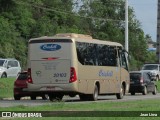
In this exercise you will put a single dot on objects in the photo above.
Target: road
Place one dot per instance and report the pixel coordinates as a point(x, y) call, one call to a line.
point(27, 102)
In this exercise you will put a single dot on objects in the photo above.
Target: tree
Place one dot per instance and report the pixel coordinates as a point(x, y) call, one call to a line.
point(21, 20)
point(107, 23)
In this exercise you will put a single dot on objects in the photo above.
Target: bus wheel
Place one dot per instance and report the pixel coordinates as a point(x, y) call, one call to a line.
point(55, 98)
point(121, 94)
point(94, 96)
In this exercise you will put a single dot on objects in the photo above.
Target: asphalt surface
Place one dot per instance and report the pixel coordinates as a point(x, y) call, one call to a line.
point(9, 102)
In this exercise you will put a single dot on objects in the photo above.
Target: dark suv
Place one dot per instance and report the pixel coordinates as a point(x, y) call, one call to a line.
point(20, 84)
point(141, 82)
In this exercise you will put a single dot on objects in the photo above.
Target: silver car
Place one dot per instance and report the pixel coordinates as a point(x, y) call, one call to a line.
point(9, 67)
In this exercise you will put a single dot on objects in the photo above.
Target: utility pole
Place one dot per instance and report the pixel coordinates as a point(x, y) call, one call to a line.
point(158, 32)
point(126, 26)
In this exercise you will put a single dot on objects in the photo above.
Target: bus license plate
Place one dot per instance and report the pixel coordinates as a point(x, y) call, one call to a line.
point(50, 88)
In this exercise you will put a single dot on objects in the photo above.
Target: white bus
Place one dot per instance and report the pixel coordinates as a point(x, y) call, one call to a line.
point(76, 64)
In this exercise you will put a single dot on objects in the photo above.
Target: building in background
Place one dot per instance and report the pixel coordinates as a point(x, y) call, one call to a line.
point(151, 46)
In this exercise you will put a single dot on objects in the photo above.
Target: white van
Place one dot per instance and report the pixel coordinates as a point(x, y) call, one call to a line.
point(76, 64)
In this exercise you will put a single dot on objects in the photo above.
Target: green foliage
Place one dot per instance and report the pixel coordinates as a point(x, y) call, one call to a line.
point(111, 27)
point(151, 57)
point(21, 20)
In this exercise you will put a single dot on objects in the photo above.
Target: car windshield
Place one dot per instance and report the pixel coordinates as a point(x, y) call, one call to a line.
point(150, 67)
point(135, 76)
point(1, 62)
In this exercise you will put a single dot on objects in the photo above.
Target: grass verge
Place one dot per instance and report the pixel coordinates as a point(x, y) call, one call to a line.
point(6, 87)
point(138, 105)
point(6, 90)
point(93, 108)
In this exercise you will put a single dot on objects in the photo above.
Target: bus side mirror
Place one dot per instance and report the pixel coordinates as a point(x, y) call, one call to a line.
point(127, 54)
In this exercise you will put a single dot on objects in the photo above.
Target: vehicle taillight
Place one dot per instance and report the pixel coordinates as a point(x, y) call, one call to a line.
point(29, 76)
point(73, 76)
point(141, 80)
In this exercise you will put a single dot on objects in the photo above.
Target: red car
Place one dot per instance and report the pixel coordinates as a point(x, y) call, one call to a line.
point(20, 84)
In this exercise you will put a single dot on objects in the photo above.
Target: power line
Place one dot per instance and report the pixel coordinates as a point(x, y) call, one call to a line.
point(114, 3)
point(64, 12)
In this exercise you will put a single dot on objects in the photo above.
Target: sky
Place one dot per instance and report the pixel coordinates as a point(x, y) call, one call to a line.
point(146, 13)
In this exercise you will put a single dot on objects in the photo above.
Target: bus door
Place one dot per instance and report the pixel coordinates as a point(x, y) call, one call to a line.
point(124, 75)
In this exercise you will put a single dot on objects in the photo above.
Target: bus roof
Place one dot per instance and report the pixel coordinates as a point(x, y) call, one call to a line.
point(73, 35)
point(78, 37)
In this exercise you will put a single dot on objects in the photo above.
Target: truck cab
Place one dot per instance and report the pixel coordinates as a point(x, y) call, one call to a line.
point(153, 69)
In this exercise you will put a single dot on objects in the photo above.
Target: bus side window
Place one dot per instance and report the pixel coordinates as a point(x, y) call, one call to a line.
point(80, 53)
point(86, 53)
point(100, 55)
point(80, 58)
point(107, 55)
point(112, 56)
point(96, 54)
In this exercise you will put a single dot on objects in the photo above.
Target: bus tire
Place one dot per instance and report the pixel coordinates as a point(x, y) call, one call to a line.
point(94, 96)
point(121, 94)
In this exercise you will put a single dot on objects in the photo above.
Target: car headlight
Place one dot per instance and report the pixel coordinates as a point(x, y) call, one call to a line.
point(1, 70)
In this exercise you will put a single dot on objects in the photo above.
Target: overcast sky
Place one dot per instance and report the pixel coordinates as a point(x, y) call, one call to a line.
point(146, 13)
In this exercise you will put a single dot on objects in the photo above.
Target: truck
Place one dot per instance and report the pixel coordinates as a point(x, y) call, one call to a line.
point(153, 69)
